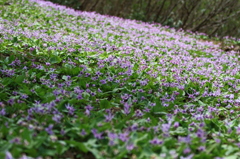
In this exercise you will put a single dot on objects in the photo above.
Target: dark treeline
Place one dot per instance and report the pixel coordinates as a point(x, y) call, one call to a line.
point(213, 17)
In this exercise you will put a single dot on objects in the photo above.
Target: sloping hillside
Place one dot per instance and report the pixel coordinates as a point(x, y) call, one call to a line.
point(83, 85)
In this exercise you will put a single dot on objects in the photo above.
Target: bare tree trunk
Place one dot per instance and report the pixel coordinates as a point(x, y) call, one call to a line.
point(189, 12)
point(168, 12)
point(148, 9)
point(160, 10)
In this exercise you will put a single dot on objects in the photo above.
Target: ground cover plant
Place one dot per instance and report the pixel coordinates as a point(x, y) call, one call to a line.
point(82, 85)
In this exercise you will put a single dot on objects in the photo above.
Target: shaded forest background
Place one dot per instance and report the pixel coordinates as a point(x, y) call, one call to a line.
point(215, 18)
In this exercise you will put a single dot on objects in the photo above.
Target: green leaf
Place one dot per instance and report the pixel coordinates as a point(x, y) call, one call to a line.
point(68, 66)
point(92, 147)
point(78, 145)
point(55, 59)
point(85, 95)
point(158, 108)
point(201, 103)
point(117, 89)
point(179, 131)
point(61, 147)
point(146, 152)
point(211, 148)
point(83, 61)
point(230, 149)
point(31, 152)
point(65, 78)
point(143, 137)
point(50, 152)
point(5, 146)
point(105, 104)
point(6, 60)
point(2, 2)
point(19, 79)
point(15, 39)
point(26, 135)
point(232, 157)
point(40, 140)
point(7, 81)
point(3, 95)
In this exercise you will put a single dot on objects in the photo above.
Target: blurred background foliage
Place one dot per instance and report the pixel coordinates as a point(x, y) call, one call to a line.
point(219, 18)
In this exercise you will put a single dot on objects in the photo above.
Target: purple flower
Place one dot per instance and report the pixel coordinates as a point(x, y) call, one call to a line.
point(148, 119)
point(112, 137)
point(96, 134)
point(123, 136)
point(98, 73)
point(60, 85)
point(3, 112)
point(8, 155)
point(88, 90)
point(126, 109)
point(176, 125)
point(10, 101)
point(68, 83)
point(231, 96)
point(16, 140)
point(56, 92)
point(57, 100)
point(15, 93)
point(49, 129)
point(187, 150)
point(110, 79)
point(188, 157)
point(79, 97)
point(53, 76)
point(201, 134)
point(152, 104)
point(217, 140)
point(130, 146)
point(191, 96)
point(138, 113)
point(31, 49)
point(103, 81)
point(78, 90)
point(109, 117)
point(125, 96)
point(165, 104)
point(62, 132)
point(146, 110)
point(143, 83)
point(134, 127)
point(83, 132)
point(166, 128)
point(57, 118)
point(8, 72)
point(238, 130)
point(1, 104)
point(201, 148)
point(187, 139)
point(24, 96)
point(238, 144)
point(70, 109)
point(88, 108)
point(156, 141)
